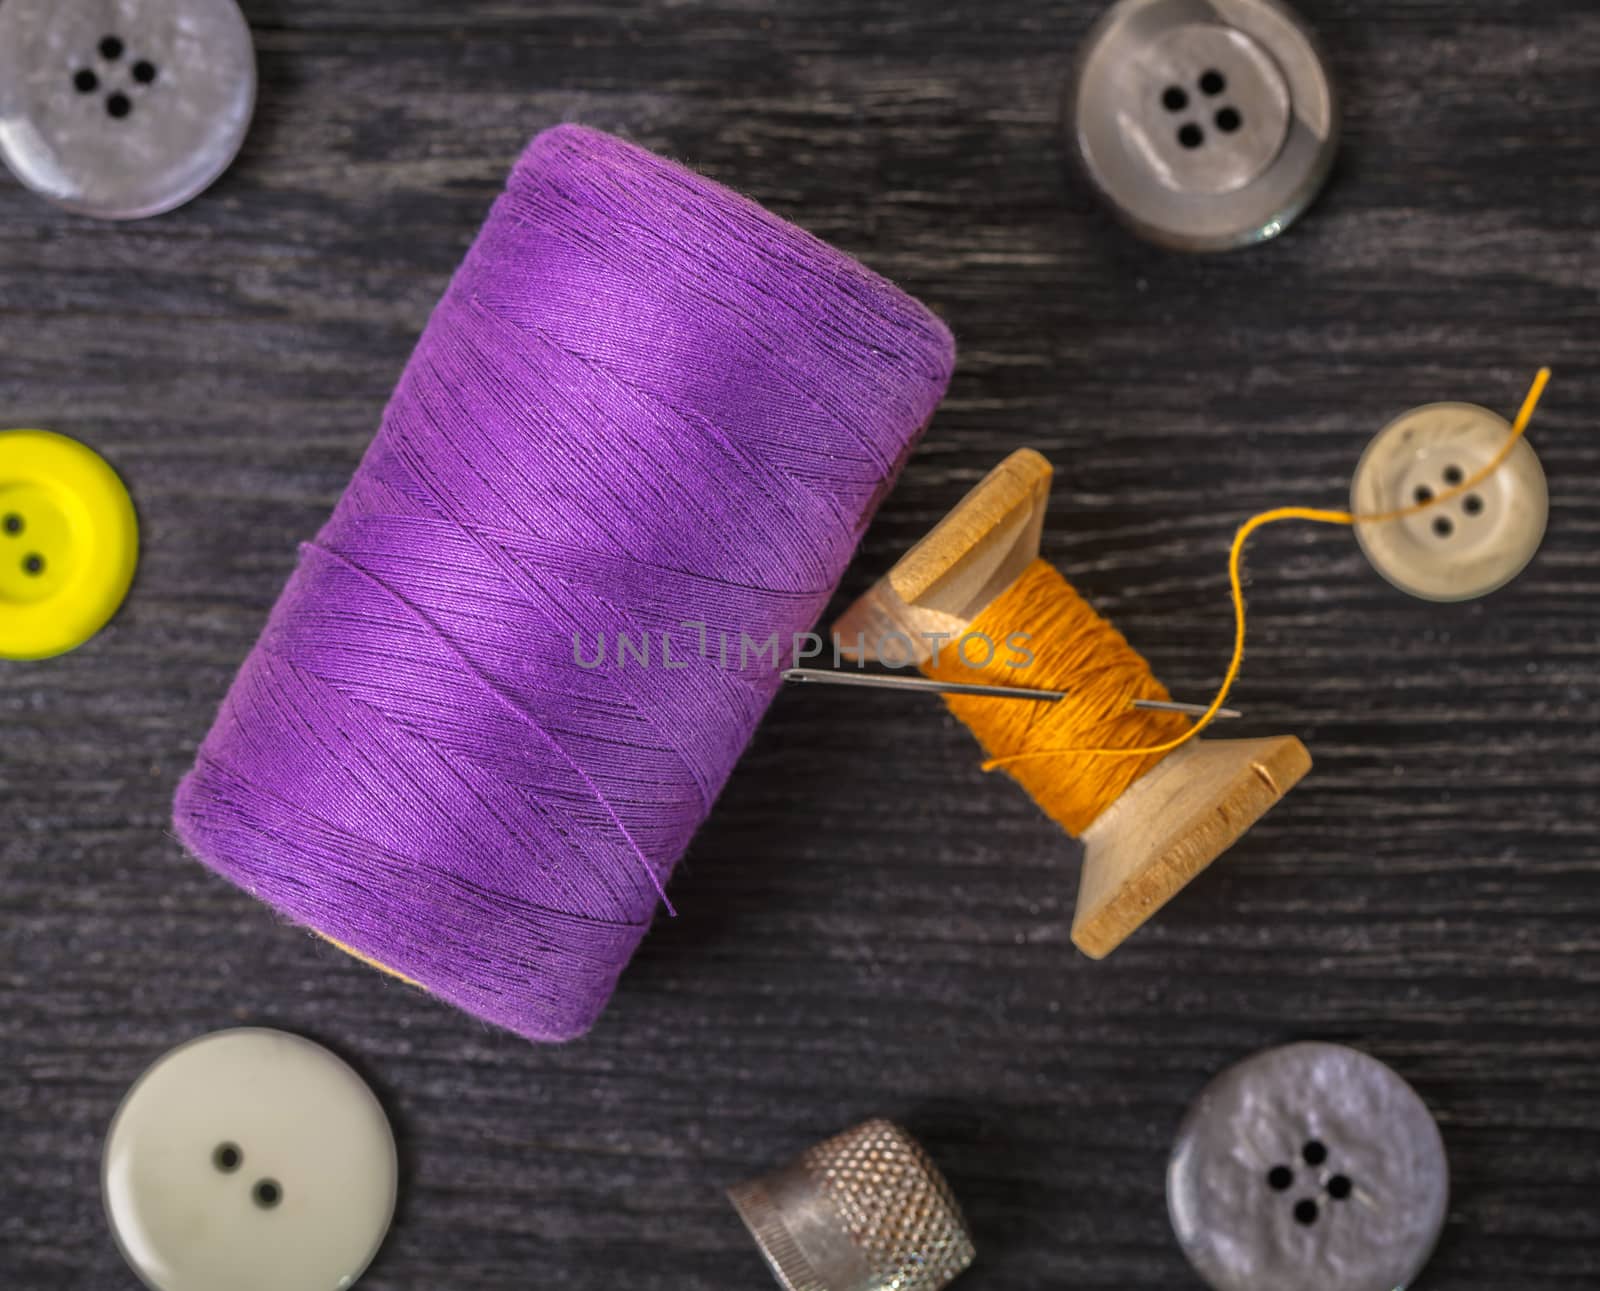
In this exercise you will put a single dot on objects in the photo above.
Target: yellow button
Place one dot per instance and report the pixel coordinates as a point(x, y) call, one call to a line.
point(68, 544)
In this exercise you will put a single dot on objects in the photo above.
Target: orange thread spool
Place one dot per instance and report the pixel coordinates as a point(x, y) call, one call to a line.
point(1077, 651)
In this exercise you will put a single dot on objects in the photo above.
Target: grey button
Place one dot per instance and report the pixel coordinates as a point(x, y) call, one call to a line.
point(1475, 542)
point(249, 1159)
point(1207, 124)
point(123, 108)
point(863, 1211)
point(1312, 1165)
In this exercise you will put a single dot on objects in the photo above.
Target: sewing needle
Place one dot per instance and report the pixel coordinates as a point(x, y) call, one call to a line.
point(929, 685)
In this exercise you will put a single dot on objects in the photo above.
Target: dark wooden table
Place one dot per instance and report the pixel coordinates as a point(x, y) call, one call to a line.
point(869, 924)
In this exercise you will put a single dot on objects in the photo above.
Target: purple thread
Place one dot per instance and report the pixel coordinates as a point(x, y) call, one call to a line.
point(643, 399)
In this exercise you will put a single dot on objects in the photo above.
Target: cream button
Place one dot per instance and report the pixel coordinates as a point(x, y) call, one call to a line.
point(123, 108)
point(1207, 124)
point(1312, 1165)
point(1471, 544)
point(251, 1160)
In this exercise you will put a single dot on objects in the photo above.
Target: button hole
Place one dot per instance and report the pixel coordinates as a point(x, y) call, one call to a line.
point(118, 105)
point(1423, 494)
point(1280, 1178)
point(1443, 527)
point(144, 72)
point(1314, 1152)
point(1305, 1212)
point(1212, 83)
point(33, 564)
point(267, 1193)
point(227, 1157)
point(1339, 1187)
point(1453, 475)
point(1472, 504)
point(1229, 120)
point(1191, 136)
point(85, 81)
point(1174, 100)
point(12, 524)
point(111, 48)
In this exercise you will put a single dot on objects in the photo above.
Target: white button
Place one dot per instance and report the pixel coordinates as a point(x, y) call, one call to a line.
point(1470, 545)
point(251, 1160)
point(1312, 1165)
point(1207, 124)
point(123, 108)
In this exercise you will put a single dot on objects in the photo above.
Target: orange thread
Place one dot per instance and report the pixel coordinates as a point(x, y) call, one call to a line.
point(1235, 582)
point(1074, 650)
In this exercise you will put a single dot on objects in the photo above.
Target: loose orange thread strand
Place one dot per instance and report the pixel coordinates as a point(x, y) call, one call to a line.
point(1236, 584)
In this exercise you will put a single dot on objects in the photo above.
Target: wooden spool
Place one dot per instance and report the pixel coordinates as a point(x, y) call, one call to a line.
point(1170, 823)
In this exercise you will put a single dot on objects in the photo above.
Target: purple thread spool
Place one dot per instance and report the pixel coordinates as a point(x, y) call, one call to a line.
point(643, 400)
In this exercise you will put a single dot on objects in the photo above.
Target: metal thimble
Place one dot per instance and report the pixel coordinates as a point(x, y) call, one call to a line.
point(863, 1211)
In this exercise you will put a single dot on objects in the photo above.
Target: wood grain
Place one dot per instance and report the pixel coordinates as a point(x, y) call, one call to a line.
point(1429, 893)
